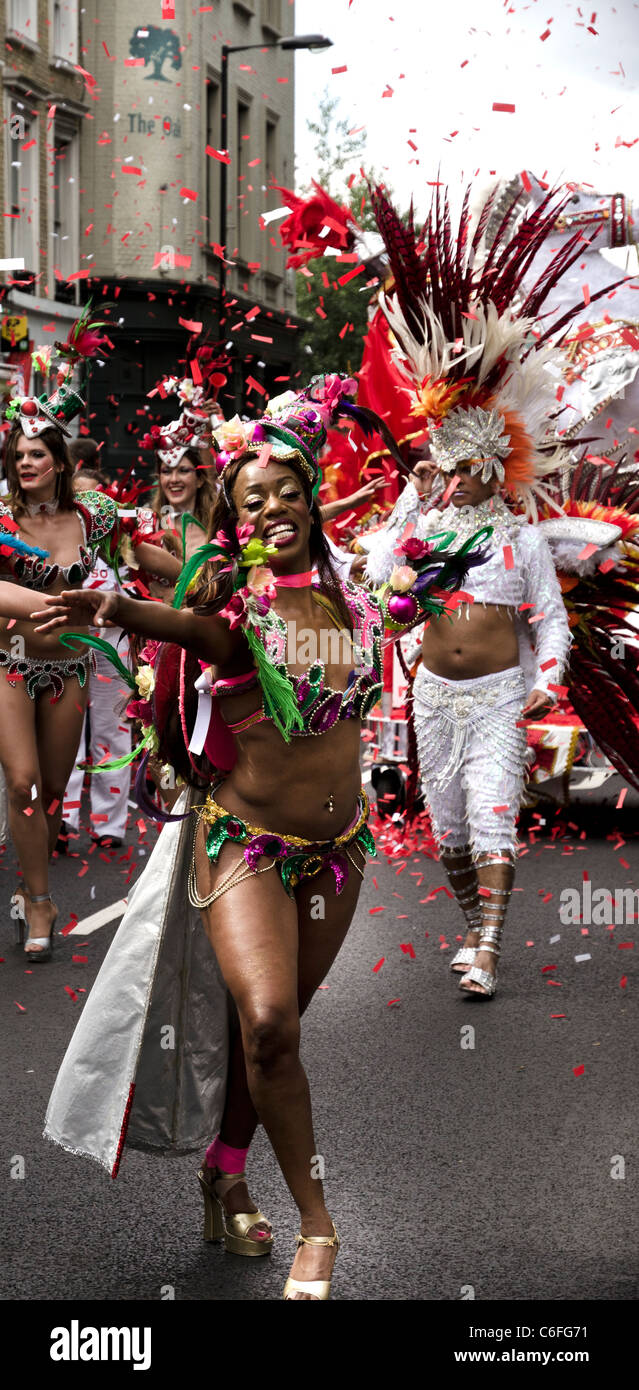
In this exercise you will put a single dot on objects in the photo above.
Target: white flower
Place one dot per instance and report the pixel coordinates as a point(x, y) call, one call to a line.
point(145, 681)
point(277, 404)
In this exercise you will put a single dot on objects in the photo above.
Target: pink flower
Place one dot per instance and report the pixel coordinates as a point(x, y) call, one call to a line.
point(402, 579)
point(260, 580)
point(149, 652)
point(236, 611)
point(244, 532)
point(327, 394)
point(140, 709)
point(414, 549)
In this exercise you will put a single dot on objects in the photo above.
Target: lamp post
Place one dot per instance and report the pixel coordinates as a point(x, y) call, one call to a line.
point(308, 41)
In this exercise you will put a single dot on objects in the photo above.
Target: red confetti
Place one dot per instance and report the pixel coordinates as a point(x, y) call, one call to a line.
point(408, 950)
point(623, 981)
point(392, 1001)
point(508, 557)
point(379, 965)
point(557, 1015)
point(80, 960)
point(223, 155)
point(626, 945)
point(624, 863)
point(20, 1007)
point(503, 106)
point(500, 808)
point(372, 910)
point(587, 551)
point(192, 325)
point(335, 71)
point(543, 37)
point(546, 665)
point(51, 810)
point(621, 798)
point(188, 193)
point(579, 1071)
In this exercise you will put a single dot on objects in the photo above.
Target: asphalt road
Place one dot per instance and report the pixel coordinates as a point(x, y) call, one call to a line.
point(506, 1168)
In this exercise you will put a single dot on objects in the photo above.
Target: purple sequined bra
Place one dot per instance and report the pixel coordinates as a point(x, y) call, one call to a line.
point(319, 705)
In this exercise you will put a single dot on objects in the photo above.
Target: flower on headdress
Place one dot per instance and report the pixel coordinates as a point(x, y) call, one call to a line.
point(243, 533)
point(402, 579)
point(233, 436)
point(145, 681)
point(13, 407)
point(328, 391)
point(278, 404)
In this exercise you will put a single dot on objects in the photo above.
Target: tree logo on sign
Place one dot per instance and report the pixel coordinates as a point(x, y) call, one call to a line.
point(155, 45)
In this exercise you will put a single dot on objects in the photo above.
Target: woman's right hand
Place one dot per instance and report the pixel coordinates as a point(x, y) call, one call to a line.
point(98, 607)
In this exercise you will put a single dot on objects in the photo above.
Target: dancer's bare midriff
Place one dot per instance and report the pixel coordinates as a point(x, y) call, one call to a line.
point(476, 641)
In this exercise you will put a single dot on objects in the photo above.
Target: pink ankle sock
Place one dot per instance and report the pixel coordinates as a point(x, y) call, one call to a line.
point(222, 1156)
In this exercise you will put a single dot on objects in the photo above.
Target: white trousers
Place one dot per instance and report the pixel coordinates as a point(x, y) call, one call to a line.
point(110, 737)
point(472, 756)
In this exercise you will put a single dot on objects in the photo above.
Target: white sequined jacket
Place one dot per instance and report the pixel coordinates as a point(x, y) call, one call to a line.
point(519, 575)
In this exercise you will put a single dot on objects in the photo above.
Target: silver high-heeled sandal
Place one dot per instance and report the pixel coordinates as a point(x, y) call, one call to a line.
point(45, 943)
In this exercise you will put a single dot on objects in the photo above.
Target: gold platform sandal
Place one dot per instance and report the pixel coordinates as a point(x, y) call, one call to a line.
point(317, 1288)
point(233, 1230)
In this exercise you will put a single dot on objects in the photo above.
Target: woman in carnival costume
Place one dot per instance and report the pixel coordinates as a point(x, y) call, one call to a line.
point(475, 362)
point(276, 857)
point(50, 537)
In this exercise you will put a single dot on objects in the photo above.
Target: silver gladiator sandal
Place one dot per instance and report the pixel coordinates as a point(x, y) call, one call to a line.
point(467, 896)
point(493, 912)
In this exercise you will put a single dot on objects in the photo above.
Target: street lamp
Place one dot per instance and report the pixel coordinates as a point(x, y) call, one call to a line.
point(313, 42)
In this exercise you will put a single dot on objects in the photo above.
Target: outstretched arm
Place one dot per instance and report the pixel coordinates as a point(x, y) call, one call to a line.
point(329, 510)
point(208, 638)
point(16, 601)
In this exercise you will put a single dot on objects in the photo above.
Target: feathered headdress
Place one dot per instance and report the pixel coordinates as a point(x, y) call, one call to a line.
point(474, 353)
point(295, 425)
point(37, 413)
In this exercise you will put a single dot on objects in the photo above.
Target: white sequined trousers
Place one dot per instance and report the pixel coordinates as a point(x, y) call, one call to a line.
point(472, 756)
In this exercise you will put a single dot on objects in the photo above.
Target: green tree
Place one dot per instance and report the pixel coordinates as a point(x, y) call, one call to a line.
point(336, 314)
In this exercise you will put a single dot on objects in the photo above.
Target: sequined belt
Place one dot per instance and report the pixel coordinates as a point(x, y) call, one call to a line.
point(296, 857)
point(39, 675)
point(459, 699)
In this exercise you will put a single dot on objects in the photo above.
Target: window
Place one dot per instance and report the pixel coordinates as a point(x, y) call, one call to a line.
point(64, 212)
point(23, 19)
point(242, 205)
point(272, 15)
point(213, 117)
point(272, 257)
point(22, 187)
point(64, 30)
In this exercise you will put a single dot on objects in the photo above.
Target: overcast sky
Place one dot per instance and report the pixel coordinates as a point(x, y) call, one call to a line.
point(575, 92)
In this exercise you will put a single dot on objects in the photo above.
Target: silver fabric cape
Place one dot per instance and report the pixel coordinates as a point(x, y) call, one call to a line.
point(151, 1044)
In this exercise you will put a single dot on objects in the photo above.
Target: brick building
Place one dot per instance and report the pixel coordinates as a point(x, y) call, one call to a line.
point(135, 217)
point(44, 105)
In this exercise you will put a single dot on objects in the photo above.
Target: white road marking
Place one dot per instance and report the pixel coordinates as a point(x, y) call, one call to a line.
point(99, 919)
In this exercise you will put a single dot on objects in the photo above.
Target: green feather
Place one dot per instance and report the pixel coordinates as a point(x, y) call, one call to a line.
point(277, 690)
point(116, 763)
point(200, 558)
point(100, 646)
